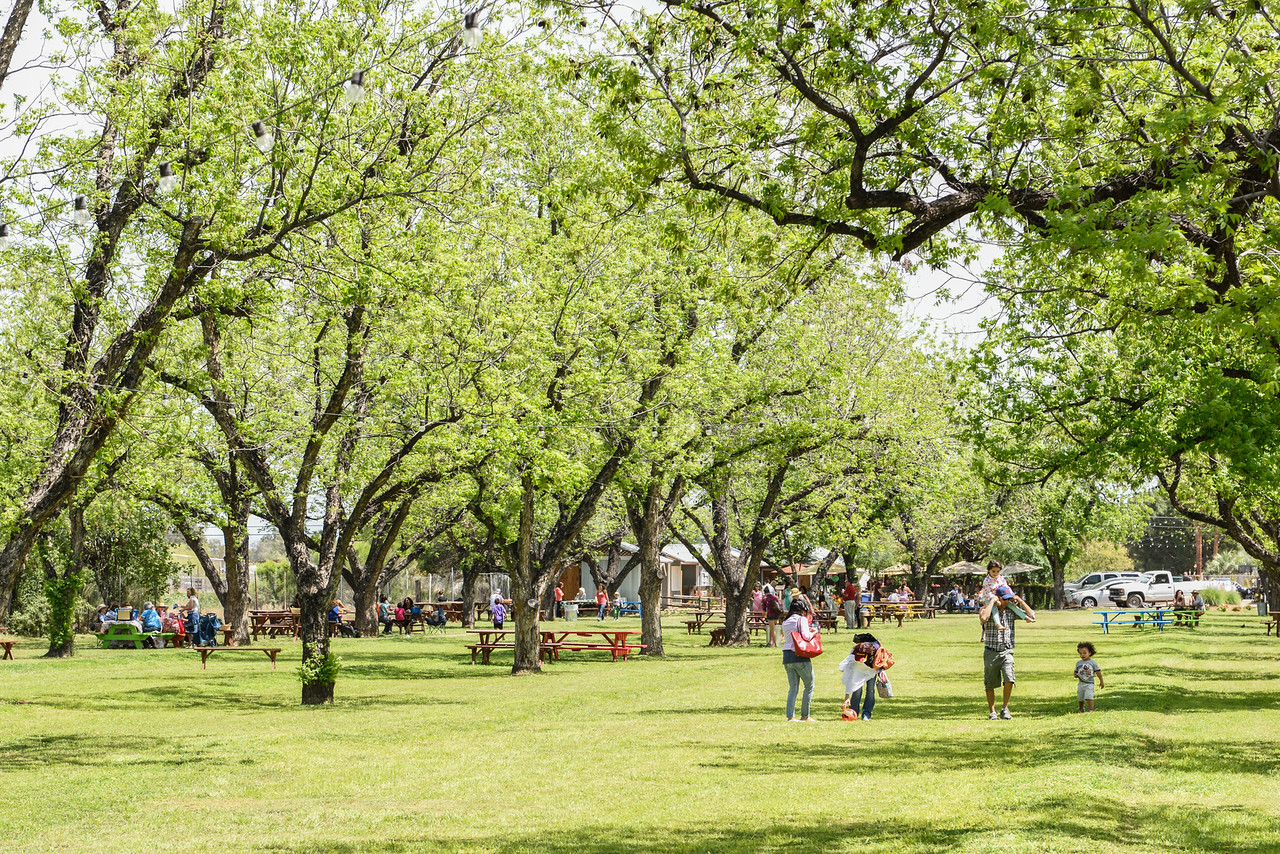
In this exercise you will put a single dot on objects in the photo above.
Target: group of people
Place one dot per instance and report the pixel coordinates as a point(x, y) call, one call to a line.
point(403, 614)
point(176, 619)
point(862, 672)
point(999, 611)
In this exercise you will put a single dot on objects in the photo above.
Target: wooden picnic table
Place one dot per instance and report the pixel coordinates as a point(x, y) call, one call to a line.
point(613, 641)
point(274, 624)
point(1138, 617)
point(8, 649)
point(490, 639)
point(1273, 622)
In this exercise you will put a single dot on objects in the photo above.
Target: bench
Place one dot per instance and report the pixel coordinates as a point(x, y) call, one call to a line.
point(8, 649)
point(206, 651)
point(1272, 623)
point(621, 650)
point(485, 649)
point(718, 637)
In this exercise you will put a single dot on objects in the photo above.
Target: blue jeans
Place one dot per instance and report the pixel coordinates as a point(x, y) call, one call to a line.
point(604, 609)
point(867, 705)
point(797, 672)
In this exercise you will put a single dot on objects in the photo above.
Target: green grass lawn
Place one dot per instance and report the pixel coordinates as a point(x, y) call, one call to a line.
point(425, 752)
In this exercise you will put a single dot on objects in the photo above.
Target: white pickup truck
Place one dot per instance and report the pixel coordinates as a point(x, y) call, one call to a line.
point(1151, 588)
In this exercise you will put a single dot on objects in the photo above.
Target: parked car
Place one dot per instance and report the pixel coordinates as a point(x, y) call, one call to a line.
point(1151, 588)
point(1095, 579)
point(1089, 597)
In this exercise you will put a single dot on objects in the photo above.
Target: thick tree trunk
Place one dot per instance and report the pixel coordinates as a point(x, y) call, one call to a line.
point(737, 610)
point(527, 637)
point(651, 601)
point(12, 558)
point(1059, 580)
point(366, 604)
point(317, 693)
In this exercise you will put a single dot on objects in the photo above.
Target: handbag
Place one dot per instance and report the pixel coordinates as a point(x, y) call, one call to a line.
point(883, 689)
point(811, 648)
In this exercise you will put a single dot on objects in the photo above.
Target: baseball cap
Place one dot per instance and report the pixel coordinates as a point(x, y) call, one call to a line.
point(1004, 592)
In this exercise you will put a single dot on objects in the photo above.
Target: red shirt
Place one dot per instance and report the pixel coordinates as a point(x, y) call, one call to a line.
point(601, 597)
point(559, 594)
point(850, 591)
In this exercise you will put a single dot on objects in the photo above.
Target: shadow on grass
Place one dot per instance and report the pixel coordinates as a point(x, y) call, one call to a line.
point(116, 752)
point(1129, 749)
point(1046, 821)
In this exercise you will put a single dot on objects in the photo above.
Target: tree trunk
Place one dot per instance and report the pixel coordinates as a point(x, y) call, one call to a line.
point(737, 610)
point(238, 600)
point(12, 558)
point(366, 605)
point(1059, 580)
point(527, 637)
point(470, 575)
point(317, 693)
point(651, 600)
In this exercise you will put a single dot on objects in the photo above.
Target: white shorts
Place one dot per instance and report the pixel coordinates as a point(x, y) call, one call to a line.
point(1084, 691)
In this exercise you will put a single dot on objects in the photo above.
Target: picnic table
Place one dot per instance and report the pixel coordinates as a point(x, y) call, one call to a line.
point(8, 649)
point(613, 641)
point(127, 633)
point(701, 619)
point(1140, 617)
point(274, 624)
point(900, 611)
point(490, 639)
point(1273, 622)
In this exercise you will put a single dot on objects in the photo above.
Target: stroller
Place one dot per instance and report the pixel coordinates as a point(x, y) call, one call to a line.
point(206, 634)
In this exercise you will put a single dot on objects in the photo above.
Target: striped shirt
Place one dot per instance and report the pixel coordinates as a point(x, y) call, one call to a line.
point(997, 632)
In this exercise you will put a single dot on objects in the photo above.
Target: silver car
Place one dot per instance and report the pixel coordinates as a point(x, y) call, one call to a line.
point(1089, 597)
point(1095, 579)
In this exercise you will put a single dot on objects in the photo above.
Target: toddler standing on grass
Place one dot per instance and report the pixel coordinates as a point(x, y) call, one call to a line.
point(499, 612)
point(1086, 669)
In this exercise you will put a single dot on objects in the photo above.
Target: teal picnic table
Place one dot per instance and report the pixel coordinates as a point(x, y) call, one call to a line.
point(1137, 617)
point(128, 634)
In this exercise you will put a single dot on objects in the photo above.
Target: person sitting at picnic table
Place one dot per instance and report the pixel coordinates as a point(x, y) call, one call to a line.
point(602, 604)
point(1180, 607)
point(150, 619)
point(173, 623)
point(582, 595)
point(904, 593)
point(98, 623)
point(402, 615)
point(384, 614)
point(1197, 608)
point(893, 596)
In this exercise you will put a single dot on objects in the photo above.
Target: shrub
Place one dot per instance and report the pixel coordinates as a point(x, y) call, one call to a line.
point(1215, 596)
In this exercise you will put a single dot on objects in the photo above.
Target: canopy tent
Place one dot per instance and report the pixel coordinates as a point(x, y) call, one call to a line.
point(1018, 568)
point(964, 567)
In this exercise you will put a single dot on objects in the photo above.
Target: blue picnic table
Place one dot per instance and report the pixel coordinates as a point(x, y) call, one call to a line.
point(1158, 617)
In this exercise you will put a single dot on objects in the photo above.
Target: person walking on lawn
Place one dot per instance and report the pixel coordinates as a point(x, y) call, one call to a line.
point(998, 621)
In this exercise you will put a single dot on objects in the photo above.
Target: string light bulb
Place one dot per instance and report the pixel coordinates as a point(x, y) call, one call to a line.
point(263, 138)
point(5, 240)
point(168, 181)
point(471, 32)
point(353, 89)
point(80, 214)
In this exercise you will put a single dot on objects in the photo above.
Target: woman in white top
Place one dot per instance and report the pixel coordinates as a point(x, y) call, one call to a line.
point(798, 669)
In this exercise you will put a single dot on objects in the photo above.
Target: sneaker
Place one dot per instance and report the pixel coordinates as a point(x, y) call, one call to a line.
point(1004, 714)
point(866, 717)
point(993, 716)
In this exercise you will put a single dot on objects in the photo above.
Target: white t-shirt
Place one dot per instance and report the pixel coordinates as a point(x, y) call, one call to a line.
point(193, 604)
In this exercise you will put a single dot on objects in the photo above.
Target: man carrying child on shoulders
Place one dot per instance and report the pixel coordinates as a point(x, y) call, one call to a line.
point(999, 613)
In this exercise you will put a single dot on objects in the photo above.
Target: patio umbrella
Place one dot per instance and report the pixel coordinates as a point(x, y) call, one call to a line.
point(964, 567)
point(896, 569)
point(1018, 567)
